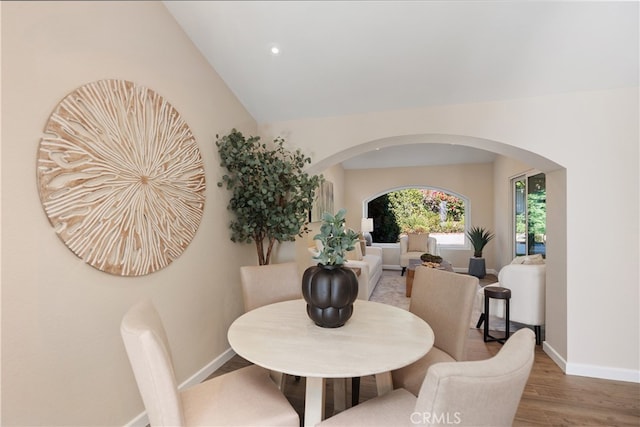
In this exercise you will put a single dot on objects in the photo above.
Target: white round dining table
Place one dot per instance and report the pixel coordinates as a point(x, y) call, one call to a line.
point(377, 339)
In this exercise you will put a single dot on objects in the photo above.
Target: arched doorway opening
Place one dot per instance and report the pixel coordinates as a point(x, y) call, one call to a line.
point(511, 161)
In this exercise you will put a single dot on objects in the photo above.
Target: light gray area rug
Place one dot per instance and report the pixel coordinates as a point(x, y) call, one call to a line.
point(391, 290)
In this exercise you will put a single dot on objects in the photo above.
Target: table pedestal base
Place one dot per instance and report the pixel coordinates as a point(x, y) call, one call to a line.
point(314, 401)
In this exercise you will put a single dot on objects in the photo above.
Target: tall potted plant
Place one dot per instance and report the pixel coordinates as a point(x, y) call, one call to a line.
point(330, 288)
point(271, 193)
point(479, 237)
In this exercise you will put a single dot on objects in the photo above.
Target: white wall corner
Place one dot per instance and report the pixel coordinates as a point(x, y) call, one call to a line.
point(141, 420)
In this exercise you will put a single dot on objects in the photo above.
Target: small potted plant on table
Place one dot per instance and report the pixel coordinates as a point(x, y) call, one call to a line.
point(330, 288)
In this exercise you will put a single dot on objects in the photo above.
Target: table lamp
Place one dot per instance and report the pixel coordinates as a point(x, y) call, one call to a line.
point(366, 226)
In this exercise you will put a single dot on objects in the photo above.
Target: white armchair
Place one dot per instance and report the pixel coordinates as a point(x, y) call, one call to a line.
point(526, 277)
point(415, 244)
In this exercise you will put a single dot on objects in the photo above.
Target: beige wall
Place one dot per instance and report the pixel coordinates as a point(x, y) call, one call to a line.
point(473, 181)
point(594, 135)
point(556, 294)
point(63, 362)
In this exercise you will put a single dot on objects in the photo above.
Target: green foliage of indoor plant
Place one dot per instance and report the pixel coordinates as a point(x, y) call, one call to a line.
point(335, 238)
point(479, 237)
point(271, 193)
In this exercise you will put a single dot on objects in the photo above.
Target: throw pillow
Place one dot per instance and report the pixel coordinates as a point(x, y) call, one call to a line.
point(528, 259)
point(534, 259)
point(355, 254)
point(418, 242)
point(518, 260)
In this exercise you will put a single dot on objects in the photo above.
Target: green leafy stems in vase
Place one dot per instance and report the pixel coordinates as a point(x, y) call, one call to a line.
point(335, 238)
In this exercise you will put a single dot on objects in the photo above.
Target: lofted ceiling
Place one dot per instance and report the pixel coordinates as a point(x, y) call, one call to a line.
point(347, 57)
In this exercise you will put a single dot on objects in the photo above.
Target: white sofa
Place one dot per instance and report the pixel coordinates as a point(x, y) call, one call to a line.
point(370, 265)
point(370, 271)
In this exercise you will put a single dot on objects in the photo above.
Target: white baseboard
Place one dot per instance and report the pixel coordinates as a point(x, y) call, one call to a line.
point(555, 356)
point(591, 371)
point(142, 420)
point(208, 369)
point(603, 372)
point(466, 270)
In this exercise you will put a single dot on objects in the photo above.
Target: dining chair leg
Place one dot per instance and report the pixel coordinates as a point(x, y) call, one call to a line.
point(278, 378)
point(355, 391)
point(480, 320)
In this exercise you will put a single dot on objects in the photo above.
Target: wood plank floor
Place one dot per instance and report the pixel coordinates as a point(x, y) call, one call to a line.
point(550, 397)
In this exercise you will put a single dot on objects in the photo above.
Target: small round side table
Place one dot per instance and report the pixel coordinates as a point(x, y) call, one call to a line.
point(496, 292)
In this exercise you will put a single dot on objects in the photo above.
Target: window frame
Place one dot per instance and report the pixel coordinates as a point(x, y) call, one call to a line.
point(513, 237)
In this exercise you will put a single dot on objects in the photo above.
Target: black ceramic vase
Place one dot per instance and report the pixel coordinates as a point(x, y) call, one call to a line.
point(329, 291)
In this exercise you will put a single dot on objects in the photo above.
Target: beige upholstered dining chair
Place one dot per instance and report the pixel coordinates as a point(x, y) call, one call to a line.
point(444, 300)
point(478, 393)
point(268, 284)
point(245, 397)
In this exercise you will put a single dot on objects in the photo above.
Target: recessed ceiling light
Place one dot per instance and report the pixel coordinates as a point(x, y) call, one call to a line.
point(275, 50)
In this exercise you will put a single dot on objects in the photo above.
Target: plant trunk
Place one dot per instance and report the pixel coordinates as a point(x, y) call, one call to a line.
point(264, 258)
point(259, 239)
point(260, 252)
point(272, 241)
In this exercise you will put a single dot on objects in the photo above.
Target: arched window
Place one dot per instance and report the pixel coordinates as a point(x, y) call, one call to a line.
point(440, 212)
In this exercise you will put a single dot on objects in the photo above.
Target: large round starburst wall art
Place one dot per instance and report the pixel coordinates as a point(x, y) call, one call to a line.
point(121, 177)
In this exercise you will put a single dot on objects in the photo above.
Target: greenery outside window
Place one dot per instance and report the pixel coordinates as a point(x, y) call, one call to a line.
point(423, 209)
point(529, 215)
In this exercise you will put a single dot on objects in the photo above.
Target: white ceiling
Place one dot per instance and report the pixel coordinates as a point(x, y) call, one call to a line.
point(346, 57)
